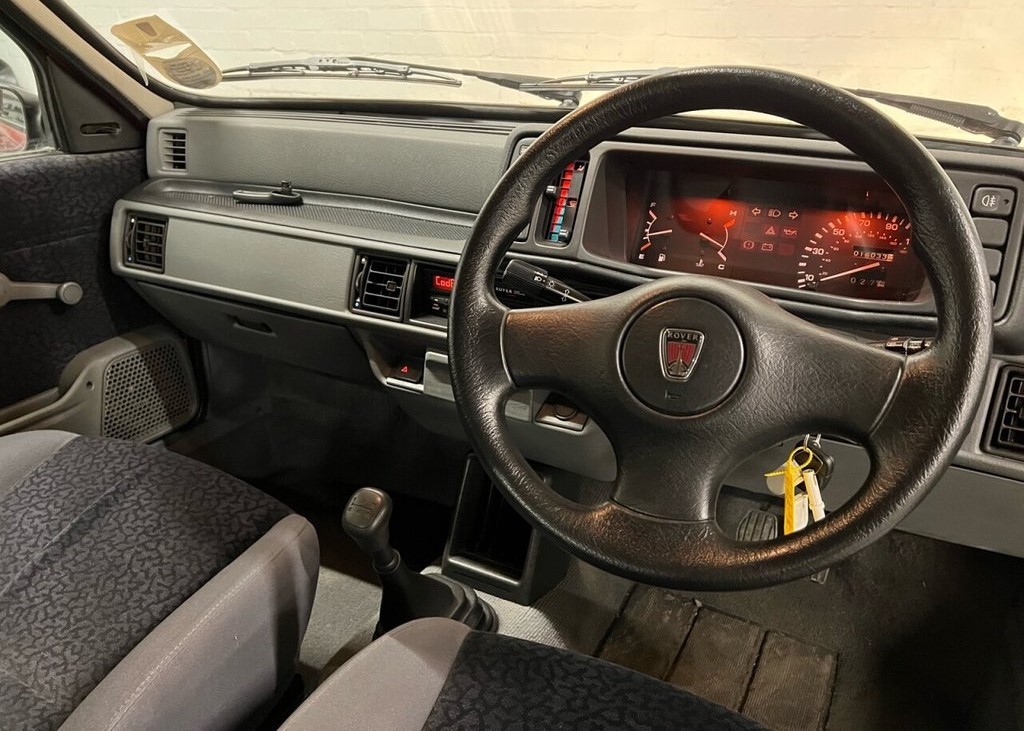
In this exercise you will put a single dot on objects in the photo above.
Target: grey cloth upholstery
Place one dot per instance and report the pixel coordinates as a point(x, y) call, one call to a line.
point(22, 453)
point(437, 674)
point(231, 644)
point(101, 544)
point(391, 685)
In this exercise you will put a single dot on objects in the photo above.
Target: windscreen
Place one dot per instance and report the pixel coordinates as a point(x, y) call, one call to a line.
point(967, 50)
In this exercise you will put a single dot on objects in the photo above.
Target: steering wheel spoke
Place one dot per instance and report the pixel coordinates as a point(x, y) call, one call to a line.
point(672, 473)
point(805, 378)
point(571, 349)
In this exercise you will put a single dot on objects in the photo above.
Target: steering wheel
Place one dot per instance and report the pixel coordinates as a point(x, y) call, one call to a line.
point(763, 374)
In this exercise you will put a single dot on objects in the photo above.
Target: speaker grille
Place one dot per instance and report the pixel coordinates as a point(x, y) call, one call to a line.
point(147, 394)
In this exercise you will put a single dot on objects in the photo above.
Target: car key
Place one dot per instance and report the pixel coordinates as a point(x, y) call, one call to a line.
point(822, 463)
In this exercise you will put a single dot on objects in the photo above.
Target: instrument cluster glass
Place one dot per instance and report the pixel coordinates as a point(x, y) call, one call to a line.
point(835, 239)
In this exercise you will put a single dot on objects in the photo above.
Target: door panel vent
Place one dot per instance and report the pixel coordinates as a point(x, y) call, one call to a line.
point(380, 286)
point(145, 238)
point(1007, 430)
point(173, 154)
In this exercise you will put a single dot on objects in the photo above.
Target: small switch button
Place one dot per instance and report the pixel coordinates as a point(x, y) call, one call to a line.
point(991, 201)
point(992, 231)
point(408, 371)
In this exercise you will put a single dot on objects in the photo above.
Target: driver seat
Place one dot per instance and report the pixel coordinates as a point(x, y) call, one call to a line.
point(143, 590)
point(438, 674)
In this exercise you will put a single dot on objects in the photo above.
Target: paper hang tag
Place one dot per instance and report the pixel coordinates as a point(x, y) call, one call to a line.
point(172, 53)
point(799, 513)
point(776, 480)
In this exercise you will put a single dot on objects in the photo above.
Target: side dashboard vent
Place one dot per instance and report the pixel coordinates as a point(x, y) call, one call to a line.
point(145, 241)
point(380, 286)
point(1007, 431)
point(173, 150)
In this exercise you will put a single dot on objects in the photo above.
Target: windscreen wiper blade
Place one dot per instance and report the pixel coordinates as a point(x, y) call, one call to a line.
point(975, 118)
point(340, 66)
point(364, 67)
point(592, 80)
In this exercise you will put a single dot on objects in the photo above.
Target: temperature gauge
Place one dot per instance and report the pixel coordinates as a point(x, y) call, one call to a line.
point(691, 236)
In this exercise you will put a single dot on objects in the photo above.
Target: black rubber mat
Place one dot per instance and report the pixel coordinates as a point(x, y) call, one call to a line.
point(649, 632)
point(779, 681)
point(719, 658)
point(792, 686)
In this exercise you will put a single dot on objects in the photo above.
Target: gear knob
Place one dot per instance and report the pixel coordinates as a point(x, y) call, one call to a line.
point(366, 519)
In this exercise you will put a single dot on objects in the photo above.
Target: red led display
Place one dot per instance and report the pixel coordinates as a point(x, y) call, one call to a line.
point(443, 283)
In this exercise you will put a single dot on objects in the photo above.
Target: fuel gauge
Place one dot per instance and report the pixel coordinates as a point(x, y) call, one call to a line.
point(655, 239)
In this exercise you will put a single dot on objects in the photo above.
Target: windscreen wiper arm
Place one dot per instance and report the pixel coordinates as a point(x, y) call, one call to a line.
point(591, 80)
point(973, 118)
point(339, 66)
point(363, 67)
point(976, 118)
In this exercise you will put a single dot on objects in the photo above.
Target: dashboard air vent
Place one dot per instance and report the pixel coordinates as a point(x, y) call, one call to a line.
point(145, 238)
point(379, 286)
point(173, 152)
point(1007, 435)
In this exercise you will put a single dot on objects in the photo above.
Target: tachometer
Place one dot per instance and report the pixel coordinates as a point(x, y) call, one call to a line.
point(854, 253)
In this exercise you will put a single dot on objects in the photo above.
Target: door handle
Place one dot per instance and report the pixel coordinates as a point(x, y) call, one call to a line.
point(70, 293)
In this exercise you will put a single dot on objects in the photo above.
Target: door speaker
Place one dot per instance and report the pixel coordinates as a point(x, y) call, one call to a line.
point(148, 392)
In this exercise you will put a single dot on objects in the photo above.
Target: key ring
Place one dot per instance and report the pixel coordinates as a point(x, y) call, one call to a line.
point(792, 459)
point(806, 463)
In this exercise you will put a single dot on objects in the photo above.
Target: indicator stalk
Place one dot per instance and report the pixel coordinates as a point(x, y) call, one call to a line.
point(536, 281)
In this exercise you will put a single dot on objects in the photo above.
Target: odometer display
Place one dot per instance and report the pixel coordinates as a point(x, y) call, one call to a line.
point(832, 239)
point(860, 254)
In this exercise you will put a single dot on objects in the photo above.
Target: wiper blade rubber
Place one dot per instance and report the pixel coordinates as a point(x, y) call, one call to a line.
point(339, 66)
point(594, 80)
point(364, 67)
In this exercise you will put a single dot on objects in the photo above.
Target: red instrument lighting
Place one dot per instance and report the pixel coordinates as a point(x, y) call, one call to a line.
point(443, 283)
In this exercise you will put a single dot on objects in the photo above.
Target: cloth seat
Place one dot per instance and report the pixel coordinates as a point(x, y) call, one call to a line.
point(439, 674)
point(143, 590)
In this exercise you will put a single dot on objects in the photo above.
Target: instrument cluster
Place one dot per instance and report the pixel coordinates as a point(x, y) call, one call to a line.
point(798, 234)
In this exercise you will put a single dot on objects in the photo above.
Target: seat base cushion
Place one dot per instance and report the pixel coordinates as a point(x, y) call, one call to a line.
point(100, 543)
point(220, 659)
point(503, 682)
point(437, 674)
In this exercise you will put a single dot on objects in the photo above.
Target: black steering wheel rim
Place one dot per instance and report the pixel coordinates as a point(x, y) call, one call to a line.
point(911, 414)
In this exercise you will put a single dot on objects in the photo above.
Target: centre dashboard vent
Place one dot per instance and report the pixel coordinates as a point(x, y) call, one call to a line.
point(1007, 429)
point(380, 286)
point(145, 240)
point(173, 150)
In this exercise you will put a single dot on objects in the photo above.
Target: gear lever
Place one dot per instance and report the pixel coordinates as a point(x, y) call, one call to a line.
point(406, 594)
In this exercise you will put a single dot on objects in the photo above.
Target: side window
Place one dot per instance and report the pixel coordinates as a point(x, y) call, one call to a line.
point(21, 114)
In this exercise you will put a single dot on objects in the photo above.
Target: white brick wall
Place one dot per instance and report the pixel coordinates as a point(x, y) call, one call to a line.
point(965, 49)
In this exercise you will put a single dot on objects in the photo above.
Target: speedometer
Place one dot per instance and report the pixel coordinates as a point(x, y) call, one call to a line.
point(854, 254)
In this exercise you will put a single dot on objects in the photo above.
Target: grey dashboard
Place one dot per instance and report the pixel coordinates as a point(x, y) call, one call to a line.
point(285, 282)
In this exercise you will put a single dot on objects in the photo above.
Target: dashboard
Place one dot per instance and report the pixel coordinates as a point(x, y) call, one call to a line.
point(356, 282)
